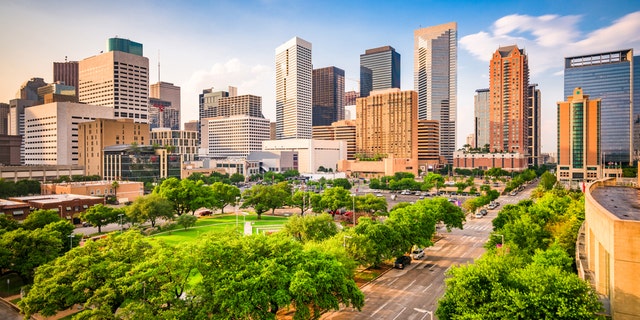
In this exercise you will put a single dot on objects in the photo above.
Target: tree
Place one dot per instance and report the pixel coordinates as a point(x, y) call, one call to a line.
point(256, 197)
point(223, 195)
point(236, 178)
point(311, 228)
point(302, 199)
point(278, 195)
point(186, 195)
point(433, 180)
point(547, 181)
point(115, 185)
point(342, 182)
point(28, 249)
point(187, 221)
point(40, 218)
point(335, 198)
point(374, 242)
point(149, 208)
point(99, 216)
point(375, 206)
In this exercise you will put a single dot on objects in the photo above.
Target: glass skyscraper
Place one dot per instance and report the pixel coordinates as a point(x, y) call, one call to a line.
point(609, 76)
point(328, 96)
point(481, 111)
point(379, 69)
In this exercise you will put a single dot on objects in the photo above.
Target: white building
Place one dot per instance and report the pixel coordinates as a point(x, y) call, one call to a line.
point(312, 154)
point(51, 131)
point(294, 90)
point(233, 136)
point(118, 79)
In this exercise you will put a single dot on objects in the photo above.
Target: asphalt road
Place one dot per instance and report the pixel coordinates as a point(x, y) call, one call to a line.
point(413, 293)
point(7, 313)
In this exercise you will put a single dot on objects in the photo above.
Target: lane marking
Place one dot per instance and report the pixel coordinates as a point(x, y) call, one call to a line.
point(382, 306)
point(399, 313)
point(427, 288)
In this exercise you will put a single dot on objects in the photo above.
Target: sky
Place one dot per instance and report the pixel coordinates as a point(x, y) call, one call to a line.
point(216, 44)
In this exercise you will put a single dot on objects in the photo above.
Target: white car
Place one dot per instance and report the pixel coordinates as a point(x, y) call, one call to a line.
point(417, 253)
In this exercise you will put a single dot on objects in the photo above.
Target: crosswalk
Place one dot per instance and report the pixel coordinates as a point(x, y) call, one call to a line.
point(478, 227)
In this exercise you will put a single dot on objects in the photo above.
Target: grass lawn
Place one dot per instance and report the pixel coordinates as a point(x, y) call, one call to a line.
point(220, 223)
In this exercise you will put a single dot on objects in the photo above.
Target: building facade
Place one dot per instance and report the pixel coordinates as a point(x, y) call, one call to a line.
point(4, 118)
point(294, 90)
point(508, 100)
point(328, 96)
point(182, 142)
point(508, 161)
point(68, 206)
point(344, 130)
point(233, 136)
point(482, 117)
point(118, 79)
point(29, 90)
point(379, 69)
point(312, 154)
point(139, 163)
point(126, 191)
point(247, 104)
point(579, 143)
point(614, 77)
point(51, 131)
point(67, 73)
point(435, 80)
point(533, 125)
point(10, 146)
point(429, 156)
point(15, 124)
point(163, 115)
point(94, 136)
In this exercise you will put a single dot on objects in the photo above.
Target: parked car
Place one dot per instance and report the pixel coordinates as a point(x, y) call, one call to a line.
point(379, 195)
point(417, 253)
point(402, 262)
point(478, 215)
point(483, 212)
point(491, 206)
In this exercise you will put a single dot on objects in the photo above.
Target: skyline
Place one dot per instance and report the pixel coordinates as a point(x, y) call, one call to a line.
point(226, 43)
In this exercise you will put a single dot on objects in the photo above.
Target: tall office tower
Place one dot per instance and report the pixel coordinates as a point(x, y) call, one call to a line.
point(66, 72)
point(247, 104)
point(428, 144)
point(118, 79)
point(163, 115)
point(191, 125)
point(579, 137)
point(435, 59)
point(15, 124)
point(340, 130)
point(350, 98)
point(481, 112)
point(379, 69)
point(610, 76)
point(29, 90)
point(165, 91)
point(208, 106)
point(471, 140)
point(51, 131)
point(328, 96)
point(94, 136)
point(533, 125)
point(509, 100)
point(293, 90)
point(4, 118)
point(387, 123)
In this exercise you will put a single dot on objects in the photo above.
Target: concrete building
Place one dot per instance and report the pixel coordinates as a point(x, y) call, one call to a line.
point(126, 191)
point(350, 98)
point(374, 169)
point(139, 163)
point(57, 88)
point(209, 102)
point(579, 157)
point(534, 125)
point(51, 131)
point(29, 90)
point(508, 99)
point(15, 210)
point(274, 161)
point(247, 104)
point(192, 125)
point(182, 142)
point(10, 146)
point(69, 206)
point(166, 91)
point(4, 118)
point(608, 246)
point(94, 136)
point(118, 79)
point(482, 114)
point(429, 156)
point(312, 154)
point(15, 124)
point(508, 161)
point(294, 90)
point(328, 96)
point(163, 115)
point(233, 136)
point(40, 173)
point(344, 130)
point(471, 140)
point(379, 70)
point(67, 73)
point(435, 80)
point(614, 77)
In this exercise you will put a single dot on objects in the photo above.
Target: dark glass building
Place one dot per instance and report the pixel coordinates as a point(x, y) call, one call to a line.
point(609, 76)
point(379, 69)
point(139, 163)
point(328, 96)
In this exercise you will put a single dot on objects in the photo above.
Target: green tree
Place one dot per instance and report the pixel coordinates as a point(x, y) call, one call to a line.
point(187, 221)
point(432, 180)
point(547, 181)
point(311, 228)
point(302, 199)
point(374, 242)
point(25, 250)
point(257, 198)
point(186, 195)
point(99, 216)
point(342, 182)
point(115, 185)
point(375, 206)
point(64, 231)
point(236, 178)
point(149, 208)
point(40, 218)
point(335, 198)
point(224, 195)
point(7, 224)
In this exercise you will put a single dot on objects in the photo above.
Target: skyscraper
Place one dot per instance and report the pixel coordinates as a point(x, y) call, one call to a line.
point(328, 96)
point(481, 111)
point(164, 105)
point(509, 100)
point(379, 69)
point(66, 72)
point(118, 79)
point(579, 137)
point(610, 77)
point(293, 90)
point(533, 125)
point(435, 80)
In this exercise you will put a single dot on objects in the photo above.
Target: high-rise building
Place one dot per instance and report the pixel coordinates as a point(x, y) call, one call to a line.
point(208, 106)
point(51, 131)
point(163, 115)
point(435, 80)
point(340, 130)
point(94, 136)
point(612, 77)
point(379, 69)
point(182, 142)
point(4, 118)
point(350, 98)
point(481, 112)
point(118, 78)
point(15, 124)
point(579, 135)
point(67, 73)
point(509, 100)
point(192, 125)
point(165, 91)
point(247, 104)
point(294, 90)
point(428, 144)
point(533, 125)
point(29, 90)
point(233, 136)
point(328, 96)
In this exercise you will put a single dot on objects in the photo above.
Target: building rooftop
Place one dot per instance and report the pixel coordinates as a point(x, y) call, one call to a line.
point(93, 183)
point(53, 198)
point(5, 203)
point(623, 202)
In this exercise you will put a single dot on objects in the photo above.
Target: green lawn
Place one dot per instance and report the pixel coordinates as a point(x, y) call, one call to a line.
point(218, 224)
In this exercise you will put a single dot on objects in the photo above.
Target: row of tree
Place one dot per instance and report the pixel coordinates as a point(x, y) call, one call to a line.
point(17, 189)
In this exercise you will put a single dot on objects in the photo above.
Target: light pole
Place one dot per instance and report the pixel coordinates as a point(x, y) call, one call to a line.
point(70, 241)
point(120, 216)
point(237, 199)
point(344, 240)
point(501, 239)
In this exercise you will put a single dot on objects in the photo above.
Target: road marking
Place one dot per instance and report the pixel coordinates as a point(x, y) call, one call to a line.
point(410, 284)
point(392, 281)
point(382, 306)
point(427, 288)
point(399, 313)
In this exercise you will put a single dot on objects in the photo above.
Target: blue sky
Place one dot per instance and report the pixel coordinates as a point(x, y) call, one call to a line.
point(204, 44)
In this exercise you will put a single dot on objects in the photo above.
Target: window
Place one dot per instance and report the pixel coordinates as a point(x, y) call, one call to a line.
point(18, 213)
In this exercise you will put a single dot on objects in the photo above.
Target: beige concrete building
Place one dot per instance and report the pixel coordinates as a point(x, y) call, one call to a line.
point(192, 125)
point(40, 173)
point(233, 136)
point(94, 136)
point(384, 167)
point(608, 248)
point(166, 91)
point(429, 145)
point(312, 154)
point(129, 190)
point(118, 79)
point(51, 131)
point(294, 89)
point(344, 130)
point(181, 142)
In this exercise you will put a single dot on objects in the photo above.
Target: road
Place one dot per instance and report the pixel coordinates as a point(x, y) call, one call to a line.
point(7, 313)
point(413, 293)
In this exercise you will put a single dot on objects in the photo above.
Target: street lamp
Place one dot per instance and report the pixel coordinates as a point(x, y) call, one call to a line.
point(353, 208)
point(70, 241)
point(237, 199)
point(344, 240)
point(120, 216)
point(501, 240)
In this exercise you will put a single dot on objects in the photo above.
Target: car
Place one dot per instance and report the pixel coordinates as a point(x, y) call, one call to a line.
point(478, 215)
point(483, 212)
point(417, 193)
point(87, 224)
point(401, 262)
point(417, 253)
point(513, 193)
point(379, 195)
point(491, 206)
